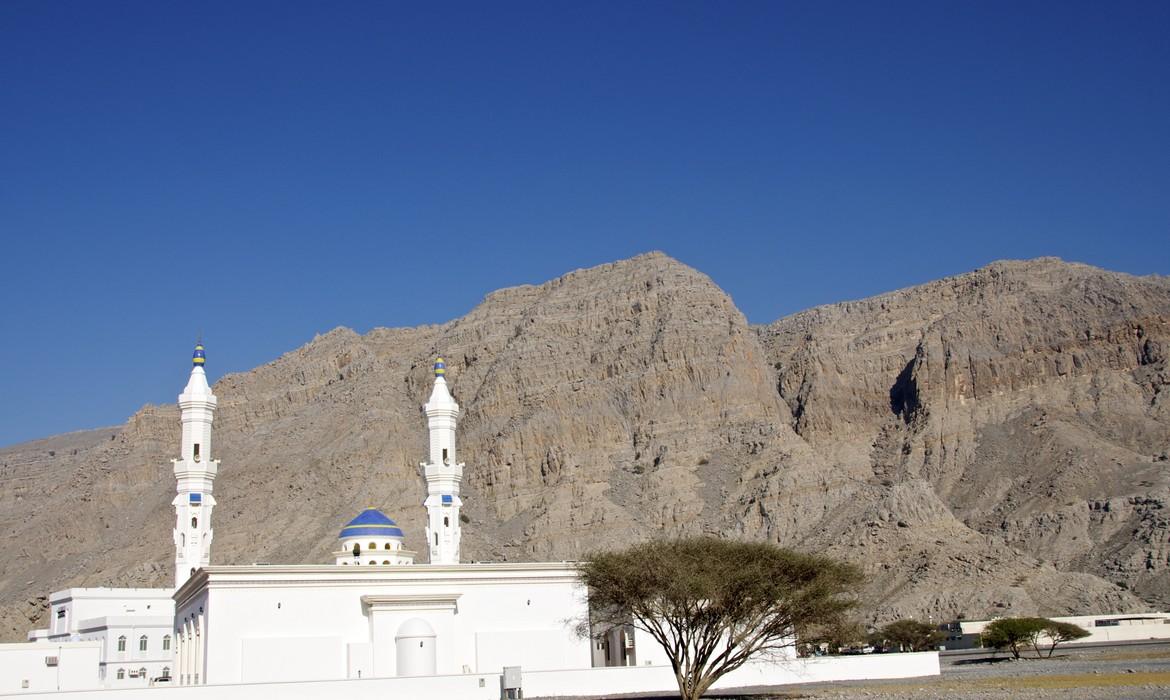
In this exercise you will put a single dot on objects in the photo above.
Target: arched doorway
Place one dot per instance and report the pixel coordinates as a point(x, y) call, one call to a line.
point(415, 648)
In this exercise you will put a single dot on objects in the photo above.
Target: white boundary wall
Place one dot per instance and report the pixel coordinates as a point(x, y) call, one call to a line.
point(570, 683)
point(1130, 627)
point(24, 662)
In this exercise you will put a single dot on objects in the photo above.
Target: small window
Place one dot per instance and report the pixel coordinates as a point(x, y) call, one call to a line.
point(436, 539)
point(386, 562)
point(445, 459)
point(373, 545)
point(121, 673)
point(142, 673)
point(196, 452)
point(121, 647)
point(61, 614)
point(372, 562)
point(142, 643)
point(182, 539)
point(166, 647)
point(387, 545)
point(194, 522)
point(345, 563)
point(357, 549)
point(166, 672)
point(446, 521)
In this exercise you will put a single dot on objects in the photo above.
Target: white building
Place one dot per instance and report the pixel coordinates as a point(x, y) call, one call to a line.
point(374, 613)
point(134, 627)
point(242, 624)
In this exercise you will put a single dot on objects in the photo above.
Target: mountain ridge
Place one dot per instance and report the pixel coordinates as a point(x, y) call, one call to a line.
point(632, 399)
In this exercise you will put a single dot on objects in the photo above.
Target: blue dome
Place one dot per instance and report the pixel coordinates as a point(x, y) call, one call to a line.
point(371, 522)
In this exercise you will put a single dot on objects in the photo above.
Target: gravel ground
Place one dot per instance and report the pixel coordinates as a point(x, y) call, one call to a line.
point(1137, 672)
point(1125, 673)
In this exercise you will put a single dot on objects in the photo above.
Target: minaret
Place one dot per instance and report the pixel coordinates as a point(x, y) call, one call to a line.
point(443, 473)
point(194, 473)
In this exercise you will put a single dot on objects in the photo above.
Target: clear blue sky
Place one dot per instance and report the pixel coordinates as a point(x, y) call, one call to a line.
point(265, 171)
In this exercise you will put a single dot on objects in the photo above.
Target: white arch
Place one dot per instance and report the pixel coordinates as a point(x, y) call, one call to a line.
point(415, 648)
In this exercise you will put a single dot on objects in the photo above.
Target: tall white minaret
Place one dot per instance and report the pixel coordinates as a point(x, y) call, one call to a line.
point(443, 473)
point(194, 473)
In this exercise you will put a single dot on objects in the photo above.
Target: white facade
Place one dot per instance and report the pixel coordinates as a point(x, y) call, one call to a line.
point(242, 624)
point(132, 627)
point(195, 474)
point(443, 472)
point(44, 667)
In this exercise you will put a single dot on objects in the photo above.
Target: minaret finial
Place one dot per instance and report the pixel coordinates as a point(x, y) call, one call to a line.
point(198, 358)
point(440, 367)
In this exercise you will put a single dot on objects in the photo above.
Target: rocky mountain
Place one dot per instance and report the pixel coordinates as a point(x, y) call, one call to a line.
point(990, 443)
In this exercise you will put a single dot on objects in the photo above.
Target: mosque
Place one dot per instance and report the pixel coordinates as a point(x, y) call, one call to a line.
point(372, 613)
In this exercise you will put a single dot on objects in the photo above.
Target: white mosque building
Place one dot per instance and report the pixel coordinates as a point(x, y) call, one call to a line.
point(373, 613)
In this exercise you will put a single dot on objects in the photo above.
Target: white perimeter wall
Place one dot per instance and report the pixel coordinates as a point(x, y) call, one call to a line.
point(1128, 629)
point(542, 683)
point(77, 667)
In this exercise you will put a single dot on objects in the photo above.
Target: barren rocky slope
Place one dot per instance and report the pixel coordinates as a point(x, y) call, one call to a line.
point(993, 442)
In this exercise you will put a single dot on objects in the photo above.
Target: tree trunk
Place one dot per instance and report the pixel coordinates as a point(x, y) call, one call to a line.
point(692, 688)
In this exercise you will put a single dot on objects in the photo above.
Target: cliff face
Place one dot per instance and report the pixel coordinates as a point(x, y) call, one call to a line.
point(1024, 402)
point(993, 442)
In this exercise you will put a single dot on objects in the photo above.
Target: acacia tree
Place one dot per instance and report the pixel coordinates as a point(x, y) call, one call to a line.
point(1060, 632)
point(1014, 633)
point(713, 604)
point(910, 635)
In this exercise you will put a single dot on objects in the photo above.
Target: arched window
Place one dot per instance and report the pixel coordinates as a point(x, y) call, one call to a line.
point(387, 545)
point(166, 644)
point(142, 643)
point(386, 562)
point(121, 646)
point(121, 673)
point(372, 562)
point(357, 549)
point(436, 539)
point(373, 545)
point(194, 522)
point(446, 521)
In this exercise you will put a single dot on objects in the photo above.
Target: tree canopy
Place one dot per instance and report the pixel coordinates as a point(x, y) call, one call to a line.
point(909, 635)
point(1014, 633)
point(713, 604)
point(1060, 632)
